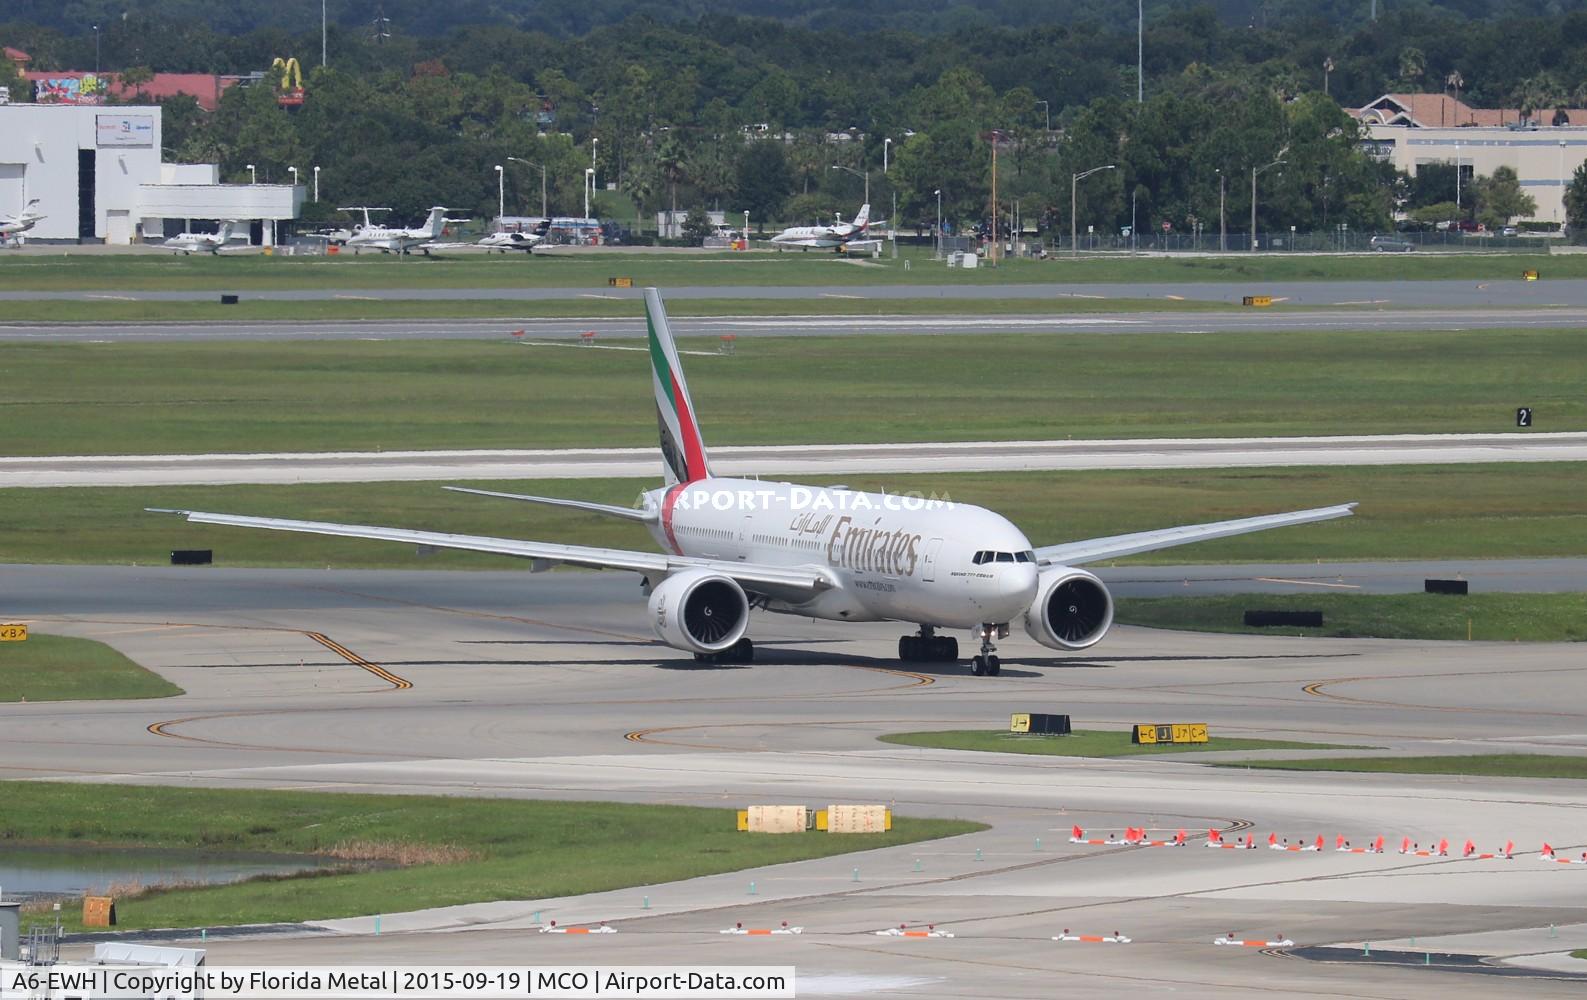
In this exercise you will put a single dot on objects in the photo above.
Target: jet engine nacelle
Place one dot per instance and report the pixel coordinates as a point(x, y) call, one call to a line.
point(1072, 609)
point(699, 611)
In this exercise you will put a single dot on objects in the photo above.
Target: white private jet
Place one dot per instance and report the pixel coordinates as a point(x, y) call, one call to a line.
point(388, 240)
point(494, 243)
point(838, 237)
point(733, 545)
point(212, 243)
point(12, 227)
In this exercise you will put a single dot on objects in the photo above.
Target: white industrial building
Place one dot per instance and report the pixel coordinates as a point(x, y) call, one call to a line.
point(98, 176)
point(1544, 151)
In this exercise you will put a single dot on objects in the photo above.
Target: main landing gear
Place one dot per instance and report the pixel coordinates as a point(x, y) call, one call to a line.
point(986, 663)
point(742, 651)
point(928, 647)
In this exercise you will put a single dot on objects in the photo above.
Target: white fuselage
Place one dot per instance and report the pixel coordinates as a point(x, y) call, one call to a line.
point(815, 236)
point(894, 557)
point(393, 240)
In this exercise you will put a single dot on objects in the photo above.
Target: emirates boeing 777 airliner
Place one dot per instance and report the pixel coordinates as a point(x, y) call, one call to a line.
point(731, 545)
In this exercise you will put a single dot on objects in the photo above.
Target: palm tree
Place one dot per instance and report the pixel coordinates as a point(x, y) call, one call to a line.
point(673, 162)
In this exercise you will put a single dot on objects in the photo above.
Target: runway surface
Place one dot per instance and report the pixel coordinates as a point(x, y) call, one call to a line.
point(550, 686)
point(823, 460)
point(531, 328)
point(1448, 294)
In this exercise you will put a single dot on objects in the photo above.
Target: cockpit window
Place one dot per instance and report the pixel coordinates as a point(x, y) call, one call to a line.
point(981, 557)
point(1026, 556)
point(1005, 557)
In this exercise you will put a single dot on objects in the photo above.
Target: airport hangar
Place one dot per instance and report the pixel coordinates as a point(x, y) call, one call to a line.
point(99, 177)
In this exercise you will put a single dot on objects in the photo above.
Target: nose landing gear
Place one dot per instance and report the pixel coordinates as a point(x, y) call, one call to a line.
point(928, 647)
point(986, 663)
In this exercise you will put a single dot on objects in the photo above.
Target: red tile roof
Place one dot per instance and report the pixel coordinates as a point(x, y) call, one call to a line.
point(17, 55)
point(1443, 111)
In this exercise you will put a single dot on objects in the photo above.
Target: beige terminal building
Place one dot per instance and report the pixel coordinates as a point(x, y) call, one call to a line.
point(1409, 130)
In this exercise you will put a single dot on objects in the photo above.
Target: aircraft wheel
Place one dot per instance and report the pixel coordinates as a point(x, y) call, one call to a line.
point(994, 666)
point(947, 649)
point(978, 666)
point(906, 648)
point(743, 652)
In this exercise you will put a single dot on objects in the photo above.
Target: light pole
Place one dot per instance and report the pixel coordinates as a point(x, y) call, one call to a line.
point(294, 172)
point(316, 183)
point(253, 177)
point(939, 223)
point(589, 185)
point(501, 194)
point(1561, 177)
point(1140, 50)
point(1457, 183)
point(519, 159)
point(866, 176)
point(595, 146)
point(886, 145)
point(1046, 114)
point(323, 60)
point(1254, 172)
point(1074, 184)
point(96, 51)
point(892, 220)
point(1223, 225)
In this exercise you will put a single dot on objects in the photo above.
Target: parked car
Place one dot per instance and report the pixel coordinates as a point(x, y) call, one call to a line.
point(1510, 231)
point(1390, 244)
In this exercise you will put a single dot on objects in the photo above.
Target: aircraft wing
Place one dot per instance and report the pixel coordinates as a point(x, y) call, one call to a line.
point(1114, 546)
point(785, 582)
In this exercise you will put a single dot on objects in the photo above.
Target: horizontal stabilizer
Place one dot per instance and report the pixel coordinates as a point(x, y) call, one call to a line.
point(627, 513)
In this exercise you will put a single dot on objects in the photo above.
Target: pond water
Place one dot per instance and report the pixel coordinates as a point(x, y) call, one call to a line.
point(32, 872)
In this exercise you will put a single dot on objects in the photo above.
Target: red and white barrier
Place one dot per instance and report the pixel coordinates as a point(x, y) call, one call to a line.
point(1133, 836)
point(1230, 939)
point(1274, 845)
point(1215, 839)
point(902, 930)
point(552, 928)
point(1114, 938)
point(1341, 844)
point(740, 929)
point(1417, 851)
point(1550, 855)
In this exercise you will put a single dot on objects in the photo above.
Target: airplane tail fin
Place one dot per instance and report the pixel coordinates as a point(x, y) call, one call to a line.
point(864, 218)
point(682, 449)
point(436, 221)
point(224, 232)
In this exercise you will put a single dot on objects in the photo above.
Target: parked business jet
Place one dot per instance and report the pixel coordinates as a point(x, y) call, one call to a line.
point(189, 243)
point(733, 545)
point(12, 227)
point(494, 243)
point(387, 240)
point(838, 237)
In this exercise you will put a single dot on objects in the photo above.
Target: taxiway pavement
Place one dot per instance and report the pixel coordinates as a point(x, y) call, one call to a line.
point(549, 685)
point(1504, 293)
point(532, 329)
point(820, 460)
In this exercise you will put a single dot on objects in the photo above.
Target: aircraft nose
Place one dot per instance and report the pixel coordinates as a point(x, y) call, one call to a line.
point(1017, 580)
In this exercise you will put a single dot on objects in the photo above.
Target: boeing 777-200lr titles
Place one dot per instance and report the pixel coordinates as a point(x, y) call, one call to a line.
point(731, 545)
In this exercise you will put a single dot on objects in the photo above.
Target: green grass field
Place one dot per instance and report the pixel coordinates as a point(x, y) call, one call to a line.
point(1086, 743)
point(144, 272)
point(491, 848)
point(131, 398)
point(60, 668)
point(1511, 765)
point(1490, 617)
point(1510, 511)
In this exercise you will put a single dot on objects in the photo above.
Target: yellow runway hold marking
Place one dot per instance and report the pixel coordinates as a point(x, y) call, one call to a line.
point(397, 683)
